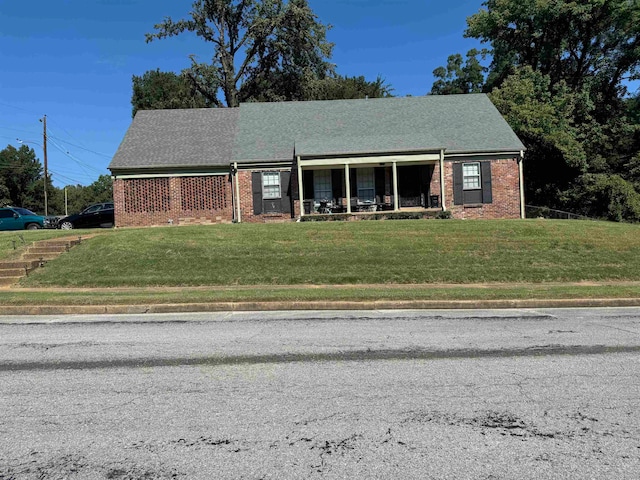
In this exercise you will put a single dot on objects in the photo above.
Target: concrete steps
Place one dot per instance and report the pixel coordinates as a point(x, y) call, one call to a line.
point(8, 281)
point(40, 256)
point(36, 255)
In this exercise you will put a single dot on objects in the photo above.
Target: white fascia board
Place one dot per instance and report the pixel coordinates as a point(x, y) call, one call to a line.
point(169, 175)
point(265, 165)
point(371, 161)
point(482, 154)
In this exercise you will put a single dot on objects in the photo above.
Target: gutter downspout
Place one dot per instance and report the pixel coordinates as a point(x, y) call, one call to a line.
point(237, 192)
point(442, 189)
point(300, 189)
point(521, 174)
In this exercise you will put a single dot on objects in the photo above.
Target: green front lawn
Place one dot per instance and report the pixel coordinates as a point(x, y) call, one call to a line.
point(340, 253)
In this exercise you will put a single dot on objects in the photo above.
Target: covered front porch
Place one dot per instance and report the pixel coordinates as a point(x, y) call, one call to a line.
point(371, 184)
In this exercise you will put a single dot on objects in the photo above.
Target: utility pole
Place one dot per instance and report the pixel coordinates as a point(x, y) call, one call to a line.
point(44, 147)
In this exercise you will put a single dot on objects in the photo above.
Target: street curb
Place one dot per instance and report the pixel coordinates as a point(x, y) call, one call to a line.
point(314, 305)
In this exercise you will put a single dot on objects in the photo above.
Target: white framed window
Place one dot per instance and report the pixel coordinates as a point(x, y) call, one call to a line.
point(366, 185)
point(271, 185)
point(322, 189)
point(471, 176)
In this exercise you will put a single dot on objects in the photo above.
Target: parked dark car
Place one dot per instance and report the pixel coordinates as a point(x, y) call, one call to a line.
point(98, 215)
point(16, 218)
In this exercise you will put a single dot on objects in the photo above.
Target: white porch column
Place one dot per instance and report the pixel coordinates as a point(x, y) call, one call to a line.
point(442, 189)
point(396, 203)
point(237, 186)
point(300, 189)
point(521, 174)
point(348, 185)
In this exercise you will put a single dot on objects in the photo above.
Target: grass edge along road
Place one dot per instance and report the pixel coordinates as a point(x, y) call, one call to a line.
point(345, 261)
point(296, 295)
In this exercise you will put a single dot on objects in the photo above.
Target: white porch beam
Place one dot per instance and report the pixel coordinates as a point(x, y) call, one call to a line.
point(442, 189)
point(396, 203)
point(300, 189)
point(348, 186)
point(370, 161)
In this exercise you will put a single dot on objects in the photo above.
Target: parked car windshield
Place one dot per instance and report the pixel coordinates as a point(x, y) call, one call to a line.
point(93, 208)
point(24, 211)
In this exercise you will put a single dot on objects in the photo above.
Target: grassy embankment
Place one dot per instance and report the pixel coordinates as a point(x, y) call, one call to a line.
point(430, 260)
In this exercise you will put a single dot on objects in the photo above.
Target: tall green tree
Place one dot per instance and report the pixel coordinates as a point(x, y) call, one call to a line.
point(20, 170)
point(559, 74)
point(543, 118)
point(591, 43)
point(460, 76)
point(158, 90)
point(260, 48)
point(5, 200)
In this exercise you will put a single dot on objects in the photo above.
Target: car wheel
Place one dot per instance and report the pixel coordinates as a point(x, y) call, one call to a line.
point(66, 226)
point(33, 226)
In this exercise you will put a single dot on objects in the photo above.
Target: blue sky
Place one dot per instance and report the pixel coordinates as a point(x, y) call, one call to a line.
point(73, 61)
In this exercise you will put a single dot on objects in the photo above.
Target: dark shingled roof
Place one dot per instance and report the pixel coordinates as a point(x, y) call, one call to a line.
point(457, 123)
point(267, 132)
point(199, 137)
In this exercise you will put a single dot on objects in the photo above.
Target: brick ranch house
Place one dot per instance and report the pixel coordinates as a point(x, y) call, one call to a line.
point(255, 163)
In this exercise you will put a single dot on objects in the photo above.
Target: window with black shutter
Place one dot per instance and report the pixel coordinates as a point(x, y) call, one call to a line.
point(271, 192)
point(472, 183)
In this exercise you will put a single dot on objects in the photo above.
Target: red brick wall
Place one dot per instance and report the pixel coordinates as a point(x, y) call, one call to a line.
point(208, 199)
point(434, 185)
point(246, 199)
point(505, 184)
point(175, 200)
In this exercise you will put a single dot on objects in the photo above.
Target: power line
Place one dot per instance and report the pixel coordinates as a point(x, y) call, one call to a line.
point(81, 148)
point(64, 176)
point(78, 146)
point(19, 108)
point(31, 132)
point(79, 162)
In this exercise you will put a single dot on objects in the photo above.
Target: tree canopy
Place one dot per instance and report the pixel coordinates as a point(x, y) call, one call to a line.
point(157, 90)
point(460, 76)
point(20, 172)
point(260, 48)
point(583, 43)
point(559, 74)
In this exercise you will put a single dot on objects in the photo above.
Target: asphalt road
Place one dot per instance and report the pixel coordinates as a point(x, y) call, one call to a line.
point(442, 394)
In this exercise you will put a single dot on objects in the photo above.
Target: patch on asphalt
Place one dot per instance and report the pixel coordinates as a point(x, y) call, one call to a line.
point(502, 422)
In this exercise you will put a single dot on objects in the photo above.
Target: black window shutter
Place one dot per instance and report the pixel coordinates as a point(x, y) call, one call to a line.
point(336, 183)
point(285, 185)
point(256, 182)
point(307, 180)
point(487, 194)
point(458, 192)
point(354, 182)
